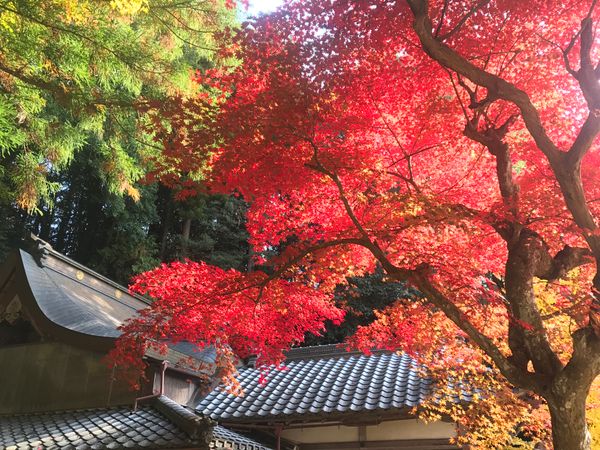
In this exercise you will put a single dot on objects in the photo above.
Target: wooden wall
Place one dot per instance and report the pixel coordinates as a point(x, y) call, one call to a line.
point(50, 376)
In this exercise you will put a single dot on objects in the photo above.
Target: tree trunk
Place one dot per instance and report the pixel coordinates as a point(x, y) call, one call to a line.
point(569, 427)
point(185, 235)
point(161, 229)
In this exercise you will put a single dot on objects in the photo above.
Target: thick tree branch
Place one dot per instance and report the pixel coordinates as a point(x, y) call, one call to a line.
point(569, 173)
point(525, 345)
point(529, 257)
point(495, 85)
point(566, 166)
point(55, 89)
point(512, 373)
point(525, 256)
point(554, 268)
point(584, 366)
point(492, 138)
point(588, 81)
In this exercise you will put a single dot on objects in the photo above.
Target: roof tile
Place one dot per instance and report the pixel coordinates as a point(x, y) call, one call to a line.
point(322, 380)
point(160, 424)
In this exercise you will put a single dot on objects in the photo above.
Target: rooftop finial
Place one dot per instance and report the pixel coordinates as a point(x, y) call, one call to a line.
point(38, 248)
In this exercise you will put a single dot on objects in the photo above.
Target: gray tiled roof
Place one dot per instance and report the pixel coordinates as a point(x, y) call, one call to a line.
point(322, 381)
point(69, 297)
point(224, 438)
point(160, 424)
point(96, 429)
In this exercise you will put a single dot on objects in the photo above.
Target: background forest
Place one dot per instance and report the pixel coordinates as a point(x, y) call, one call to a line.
point(78, 79)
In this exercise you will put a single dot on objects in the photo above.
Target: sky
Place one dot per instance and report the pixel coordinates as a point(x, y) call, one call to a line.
point(263, 6)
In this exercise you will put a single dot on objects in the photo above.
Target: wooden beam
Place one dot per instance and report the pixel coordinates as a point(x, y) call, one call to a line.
point(404, 444)
point(362, 435)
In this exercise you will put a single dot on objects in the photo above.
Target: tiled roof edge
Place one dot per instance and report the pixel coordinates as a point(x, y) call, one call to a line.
point(45, 249)
point(225, 438)
point(196, 426)
point(326, 351)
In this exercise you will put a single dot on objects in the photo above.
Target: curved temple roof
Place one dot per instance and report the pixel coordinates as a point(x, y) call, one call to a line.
point(69, 303)
point(72, 303)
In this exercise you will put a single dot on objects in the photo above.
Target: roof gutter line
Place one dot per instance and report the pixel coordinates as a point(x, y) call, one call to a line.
point(161, 392)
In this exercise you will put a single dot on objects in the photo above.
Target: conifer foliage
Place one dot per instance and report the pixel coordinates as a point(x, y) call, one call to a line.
point(76, 73)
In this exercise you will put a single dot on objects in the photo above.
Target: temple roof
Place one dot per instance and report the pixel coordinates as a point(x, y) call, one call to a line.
point(161, 423)
point(324, 382)
point(70, 303)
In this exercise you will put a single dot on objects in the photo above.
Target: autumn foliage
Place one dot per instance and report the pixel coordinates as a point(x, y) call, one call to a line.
point(256, 317)
point(451, 143)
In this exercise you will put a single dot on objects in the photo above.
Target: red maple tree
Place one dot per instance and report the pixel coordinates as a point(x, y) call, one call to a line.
point(451, 142)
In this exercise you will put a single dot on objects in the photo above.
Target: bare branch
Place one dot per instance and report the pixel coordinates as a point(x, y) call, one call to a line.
point(410, 181)
point(441, 21)
point(495, 85)
point(463, 20)
point(462, 105)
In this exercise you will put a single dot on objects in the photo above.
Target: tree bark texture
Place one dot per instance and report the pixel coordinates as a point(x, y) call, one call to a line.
point(569, 428)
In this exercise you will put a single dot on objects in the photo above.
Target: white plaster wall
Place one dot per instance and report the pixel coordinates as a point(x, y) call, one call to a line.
point(410, 429)
point(321, 434)
point(385, 431)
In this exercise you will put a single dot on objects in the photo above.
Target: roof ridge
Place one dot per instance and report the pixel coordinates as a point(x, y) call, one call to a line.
point(193, 424)
point(45, 249)
point(329, 351)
